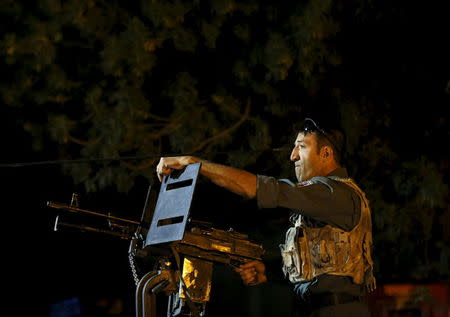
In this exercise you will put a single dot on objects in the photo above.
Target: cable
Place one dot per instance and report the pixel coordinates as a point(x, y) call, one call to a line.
point(121, 158)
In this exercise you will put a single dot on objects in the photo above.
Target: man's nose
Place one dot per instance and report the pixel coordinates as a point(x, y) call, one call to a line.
point(295, 155)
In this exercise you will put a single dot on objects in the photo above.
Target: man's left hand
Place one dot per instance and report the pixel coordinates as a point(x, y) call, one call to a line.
point(252, 273)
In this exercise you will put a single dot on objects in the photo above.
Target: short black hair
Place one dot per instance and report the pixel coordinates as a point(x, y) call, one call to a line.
point(327, 136)
point(337, 144)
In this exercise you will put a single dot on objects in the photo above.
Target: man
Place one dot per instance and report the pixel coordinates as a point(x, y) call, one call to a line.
point(327, 254)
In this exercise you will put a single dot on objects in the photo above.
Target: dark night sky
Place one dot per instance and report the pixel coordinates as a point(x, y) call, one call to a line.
point(44, 267)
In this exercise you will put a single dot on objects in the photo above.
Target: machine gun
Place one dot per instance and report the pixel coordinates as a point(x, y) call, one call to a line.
point(185, 250)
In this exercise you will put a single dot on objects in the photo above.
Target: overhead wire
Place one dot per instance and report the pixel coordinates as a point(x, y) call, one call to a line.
point(125, 158)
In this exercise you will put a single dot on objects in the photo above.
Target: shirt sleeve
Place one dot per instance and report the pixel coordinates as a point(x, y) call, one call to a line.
point(324, 199)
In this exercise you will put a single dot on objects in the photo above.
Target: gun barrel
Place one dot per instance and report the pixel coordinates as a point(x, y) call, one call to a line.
point(90, 212)
point(92, 229)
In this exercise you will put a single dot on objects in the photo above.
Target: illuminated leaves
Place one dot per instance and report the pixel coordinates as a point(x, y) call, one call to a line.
point(311, 29)
point(129, 51)
point(211, 31)
point(223, 79)
point(277, 57)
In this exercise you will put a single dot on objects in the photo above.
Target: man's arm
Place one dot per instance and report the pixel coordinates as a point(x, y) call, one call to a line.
point(233, 179)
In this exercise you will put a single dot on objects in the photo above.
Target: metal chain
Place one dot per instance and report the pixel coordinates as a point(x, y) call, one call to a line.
point(133, 268)
point(131, 260)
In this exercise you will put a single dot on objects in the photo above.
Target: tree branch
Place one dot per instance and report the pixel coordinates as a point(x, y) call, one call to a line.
point(224, 132)
point(83, 142)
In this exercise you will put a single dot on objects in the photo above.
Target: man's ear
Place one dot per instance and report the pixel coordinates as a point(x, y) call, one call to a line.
point(327, 152)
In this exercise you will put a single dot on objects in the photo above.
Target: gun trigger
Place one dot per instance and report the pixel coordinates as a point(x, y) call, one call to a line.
point(234, 263)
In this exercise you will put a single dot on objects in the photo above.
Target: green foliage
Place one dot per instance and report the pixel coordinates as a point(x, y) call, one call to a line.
point(227, 80)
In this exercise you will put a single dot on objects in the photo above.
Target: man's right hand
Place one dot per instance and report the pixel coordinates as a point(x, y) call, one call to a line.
point(252, 273)
point(167, 164)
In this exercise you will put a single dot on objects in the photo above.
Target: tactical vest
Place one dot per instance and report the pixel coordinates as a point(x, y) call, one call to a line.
point(310, 252)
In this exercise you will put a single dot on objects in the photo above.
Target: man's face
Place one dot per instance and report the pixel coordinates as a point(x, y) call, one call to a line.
point(306, 158)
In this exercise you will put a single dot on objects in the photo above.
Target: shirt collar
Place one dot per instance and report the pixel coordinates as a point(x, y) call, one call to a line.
point(339, 172)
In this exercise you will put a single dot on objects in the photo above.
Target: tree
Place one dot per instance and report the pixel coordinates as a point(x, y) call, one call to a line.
point(120, 84)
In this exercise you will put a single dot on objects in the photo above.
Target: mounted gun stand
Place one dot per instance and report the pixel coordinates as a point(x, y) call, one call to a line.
point(173, 237)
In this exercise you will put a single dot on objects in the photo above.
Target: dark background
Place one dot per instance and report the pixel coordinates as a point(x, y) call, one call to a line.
point(383, 73)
